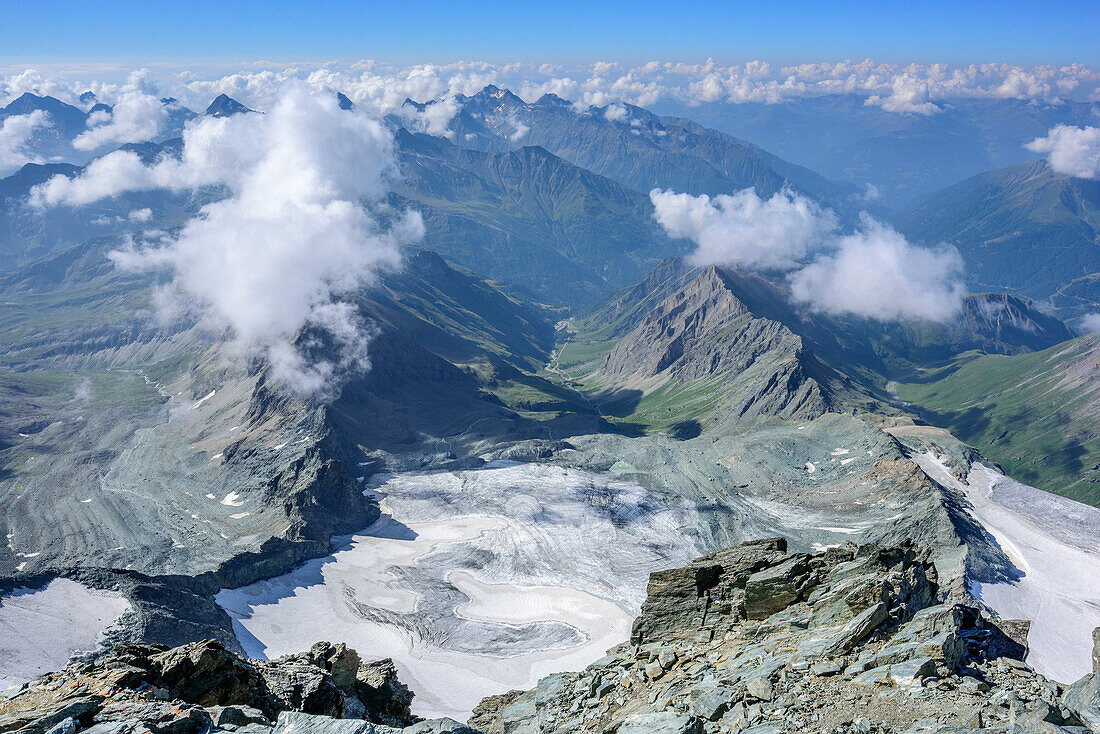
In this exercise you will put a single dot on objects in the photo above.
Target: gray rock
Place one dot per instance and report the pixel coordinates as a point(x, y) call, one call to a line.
point(765, 728)
point(439, 726)
point(236, 716)
point(339, 660)
point(65, 726)
point(254, 729)
point(158, 716)
point(296, 722)
point(41, 720)
point(825, 668)
point(1083, 697)
point(760, 688)
point(910, 673)
point(711, 703)
point(857, 629)
point(385, 697)
point(666, 658)
point(774, 589)
point(661, 722)
point(302, 686)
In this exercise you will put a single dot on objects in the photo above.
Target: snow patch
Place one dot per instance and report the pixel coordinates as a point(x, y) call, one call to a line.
point(43, 628)
point(203, 400)
point(1055, 543)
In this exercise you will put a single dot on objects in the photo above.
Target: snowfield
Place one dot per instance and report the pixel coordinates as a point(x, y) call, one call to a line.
point(475, 582)
point(1055, 543)
point(40, 629)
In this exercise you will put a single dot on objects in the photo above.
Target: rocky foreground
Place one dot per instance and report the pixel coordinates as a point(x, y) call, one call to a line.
point(757, 640)
point(748, 639)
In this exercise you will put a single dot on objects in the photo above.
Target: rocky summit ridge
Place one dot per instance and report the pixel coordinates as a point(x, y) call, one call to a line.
point(851, 639)
point(748, 639)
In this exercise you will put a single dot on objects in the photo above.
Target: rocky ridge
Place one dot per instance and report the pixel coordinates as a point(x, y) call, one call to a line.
point(703, 331)
point(851, 639)
point(202, 687)
point(748, 639)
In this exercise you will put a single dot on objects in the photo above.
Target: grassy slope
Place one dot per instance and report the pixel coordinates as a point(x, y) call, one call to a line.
point(1021, 412)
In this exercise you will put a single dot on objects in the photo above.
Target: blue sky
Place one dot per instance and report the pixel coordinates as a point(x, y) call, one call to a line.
point(426, 30)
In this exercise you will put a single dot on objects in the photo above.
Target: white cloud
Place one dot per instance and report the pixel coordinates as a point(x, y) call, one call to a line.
point(875, 273)
point(382, 88)
point(137, 115)
point(1090, 323)
point(16, 133)
point(615, 113)
point(291, 238)
point(744, 229)
point(434, 119)
point(1074, 151)
point(907, 94)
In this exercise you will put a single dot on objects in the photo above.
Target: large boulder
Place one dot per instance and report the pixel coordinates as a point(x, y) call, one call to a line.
point(207, 674)
point(1083, 697)
point(386, 699)
point(300, 686)
point(711, 588)
point(296, 722)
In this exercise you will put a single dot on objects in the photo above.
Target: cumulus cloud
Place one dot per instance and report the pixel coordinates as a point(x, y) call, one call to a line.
point(382, 88)
point(615, 113)
point(744, 229)
point(1074, 151)
point(875, 273)
point(907, 94)
point(273, 260)
point(1090, 323)
point(137, 115)
point(872, 272)
point(434, 118)
point(16, 134)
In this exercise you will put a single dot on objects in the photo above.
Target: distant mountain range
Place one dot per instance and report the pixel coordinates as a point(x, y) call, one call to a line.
point(635, 147)
point(1023, 229)
point(721, 345)
point(903, 154)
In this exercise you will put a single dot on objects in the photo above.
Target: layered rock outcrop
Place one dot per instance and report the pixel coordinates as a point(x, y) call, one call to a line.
point(202, 686)
point(755, 639)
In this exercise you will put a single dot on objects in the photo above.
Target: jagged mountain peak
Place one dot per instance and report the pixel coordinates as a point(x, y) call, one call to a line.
point(225, 106)
point(29, 102)
point(552, 101)
point(705, 333)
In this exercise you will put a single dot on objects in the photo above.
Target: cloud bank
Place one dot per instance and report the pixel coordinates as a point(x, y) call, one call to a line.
point(872, 272)
point(273, 259)
point(744, 229)
point(1074, 151)
point(138, 115)
point(875, 273)
point(381, 88)
point(16, 134)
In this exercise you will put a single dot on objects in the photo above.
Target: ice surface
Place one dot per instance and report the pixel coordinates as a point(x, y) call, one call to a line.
point(1055, 543)
point(40, 629)
point(476, 582)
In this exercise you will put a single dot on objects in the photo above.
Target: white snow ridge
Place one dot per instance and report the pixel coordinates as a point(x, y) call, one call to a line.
point(1055, 543)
